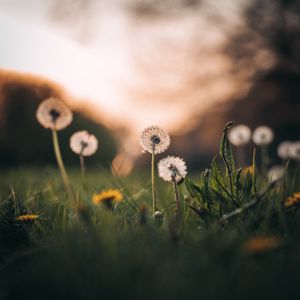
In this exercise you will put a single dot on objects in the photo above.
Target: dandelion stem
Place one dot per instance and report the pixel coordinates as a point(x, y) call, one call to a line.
point(62, 166)
point(241, 157)
point(82, 165)
point(264, 159)
point(178, 210)
point(153, 182)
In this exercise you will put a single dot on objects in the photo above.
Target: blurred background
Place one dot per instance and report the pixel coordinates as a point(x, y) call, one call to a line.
point(186, 65)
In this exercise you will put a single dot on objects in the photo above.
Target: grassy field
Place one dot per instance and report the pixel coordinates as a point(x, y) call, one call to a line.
point(237, 239)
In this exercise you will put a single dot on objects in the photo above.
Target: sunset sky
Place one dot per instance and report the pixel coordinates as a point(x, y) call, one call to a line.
point(134, 70)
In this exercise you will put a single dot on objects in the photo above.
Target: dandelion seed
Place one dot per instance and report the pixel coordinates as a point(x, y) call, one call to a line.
point(158, 214)
point(276, 173)
point(108, 197)
point(283, 150)
point(83, 143)
point(159, 217)
point(292, 200)
point(295, 150)
point(27, 218)
point(263, 135)
point(239, 135)
point(155, 139)
point(172, 168)
point(54, 114)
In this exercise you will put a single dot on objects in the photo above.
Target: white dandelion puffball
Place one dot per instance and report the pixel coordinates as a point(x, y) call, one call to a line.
point(172, 168)
point(283, 149)
point(83, 143)
point(158, 214)
point(263, 135)
point(276, 173)
point(295, 150)
point(239, 135)
point(154, 139)
point(54, 114)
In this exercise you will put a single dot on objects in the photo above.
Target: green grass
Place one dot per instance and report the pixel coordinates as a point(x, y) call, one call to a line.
point(89, 252)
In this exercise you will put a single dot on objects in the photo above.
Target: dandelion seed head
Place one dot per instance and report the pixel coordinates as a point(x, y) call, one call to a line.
point(158, 214)
point(263, 135)
point(172, 168)
point(54, 114)
point(283, 149)
point(276, 173)
point(83, 143)
point(239, 135)
point(295, 150)
point(155, 139)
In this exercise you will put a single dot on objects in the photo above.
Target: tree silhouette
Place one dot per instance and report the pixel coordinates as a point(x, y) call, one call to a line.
point(24, 141)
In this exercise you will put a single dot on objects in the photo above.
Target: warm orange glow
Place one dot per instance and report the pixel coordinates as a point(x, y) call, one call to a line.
point(122, 165)
point(132, 72)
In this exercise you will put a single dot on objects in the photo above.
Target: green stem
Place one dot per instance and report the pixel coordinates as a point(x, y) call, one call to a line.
point(264, 159)
point(82, 166)
point(178, 210)
point(241, 157)
point(153, 182)
point(62, 166)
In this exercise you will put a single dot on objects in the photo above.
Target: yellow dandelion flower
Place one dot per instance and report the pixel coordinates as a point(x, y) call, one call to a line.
point(260, 244)
point(111, 195)
point(27, 218)
point(292, 200)
point(249, 170)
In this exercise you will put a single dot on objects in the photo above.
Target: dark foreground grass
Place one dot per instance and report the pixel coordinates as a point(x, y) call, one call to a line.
point(237, 238)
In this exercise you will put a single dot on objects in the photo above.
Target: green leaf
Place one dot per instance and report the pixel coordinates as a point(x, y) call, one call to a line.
point(238, 183)
point(194, 190)
point(226, 154)
point(216, 174)
point(226, 151)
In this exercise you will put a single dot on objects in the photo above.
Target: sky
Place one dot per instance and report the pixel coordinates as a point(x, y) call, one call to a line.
point(133, 70)
point(36, 45)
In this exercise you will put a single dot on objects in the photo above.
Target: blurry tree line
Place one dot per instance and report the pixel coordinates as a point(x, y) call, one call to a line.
point(270, 36)
point(274, 98)
point(271, 29)
point(24, 141)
